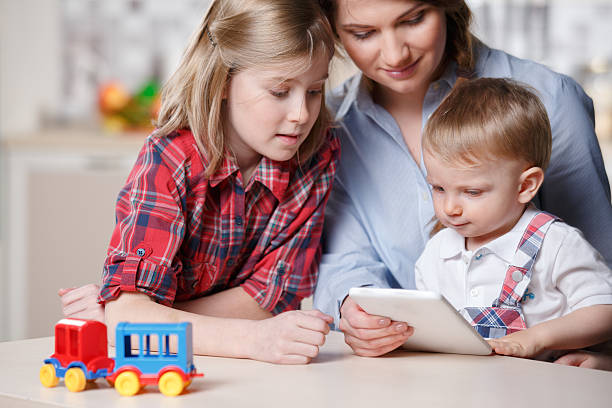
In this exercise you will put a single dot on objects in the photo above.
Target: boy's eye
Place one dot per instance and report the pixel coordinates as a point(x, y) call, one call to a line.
point(437, 189)
point(473, 193)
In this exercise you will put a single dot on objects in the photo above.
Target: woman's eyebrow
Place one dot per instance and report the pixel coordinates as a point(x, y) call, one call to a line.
point(404, 14)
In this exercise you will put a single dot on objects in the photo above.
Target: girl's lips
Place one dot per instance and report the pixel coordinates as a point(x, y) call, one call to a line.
point(288, 138)
point(403, 72)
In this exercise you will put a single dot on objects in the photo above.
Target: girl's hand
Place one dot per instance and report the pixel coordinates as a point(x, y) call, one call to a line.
point(518, 344)
point(82, 302)
point(290, 337)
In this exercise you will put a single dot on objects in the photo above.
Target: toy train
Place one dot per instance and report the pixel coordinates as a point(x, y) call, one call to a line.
point(143, 356)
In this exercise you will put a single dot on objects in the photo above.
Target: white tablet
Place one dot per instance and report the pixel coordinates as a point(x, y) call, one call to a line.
point(438, 327)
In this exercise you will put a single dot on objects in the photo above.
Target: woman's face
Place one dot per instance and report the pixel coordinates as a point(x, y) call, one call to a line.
point(397, 43)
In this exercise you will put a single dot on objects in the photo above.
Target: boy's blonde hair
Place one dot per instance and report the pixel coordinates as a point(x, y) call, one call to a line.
point(489, 118)
point(235, 35)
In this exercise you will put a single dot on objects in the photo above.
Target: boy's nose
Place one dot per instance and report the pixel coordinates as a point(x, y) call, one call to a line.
point(452, 207)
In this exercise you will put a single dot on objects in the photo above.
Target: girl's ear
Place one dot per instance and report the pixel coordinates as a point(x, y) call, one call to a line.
point(530, 182)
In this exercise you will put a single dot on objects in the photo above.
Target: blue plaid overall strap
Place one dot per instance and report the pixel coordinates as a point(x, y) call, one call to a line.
point(505, 315)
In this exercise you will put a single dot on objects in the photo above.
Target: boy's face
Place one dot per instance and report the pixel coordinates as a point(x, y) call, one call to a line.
point(270, 112)
point(481, 202)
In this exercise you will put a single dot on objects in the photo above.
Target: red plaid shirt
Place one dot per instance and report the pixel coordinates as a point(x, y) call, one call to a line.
point(181, 236)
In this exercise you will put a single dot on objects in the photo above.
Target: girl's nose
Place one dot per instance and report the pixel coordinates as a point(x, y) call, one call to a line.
point(299, 110)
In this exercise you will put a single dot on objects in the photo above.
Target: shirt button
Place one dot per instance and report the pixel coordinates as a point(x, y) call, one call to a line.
point(474, 292)
point(230, 261)
point(478, 257)
point(466, 259)
point(517, 276)
point(436, 86)
point(425, 196)
point(238, 220)
point(140, 252)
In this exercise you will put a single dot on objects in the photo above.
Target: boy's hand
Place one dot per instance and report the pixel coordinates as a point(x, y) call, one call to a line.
point(290, 338)
point(370, 335)
point(518, 344)
point(82, 302)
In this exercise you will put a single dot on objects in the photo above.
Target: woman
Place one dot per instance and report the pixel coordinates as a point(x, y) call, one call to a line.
point(379, 216)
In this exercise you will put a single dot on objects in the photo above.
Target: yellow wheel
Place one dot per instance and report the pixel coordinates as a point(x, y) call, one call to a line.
point(47, 376)
point(75, 379)
point(171, 384)
point(127, 383)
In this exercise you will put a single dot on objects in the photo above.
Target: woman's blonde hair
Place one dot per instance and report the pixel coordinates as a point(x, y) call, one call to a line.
point(459, 39)
point(489, 118)
point(235, 35)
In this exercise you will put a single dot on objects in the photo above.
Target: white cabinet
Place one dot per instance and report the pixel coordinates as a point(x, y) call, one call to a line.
point(58, 197)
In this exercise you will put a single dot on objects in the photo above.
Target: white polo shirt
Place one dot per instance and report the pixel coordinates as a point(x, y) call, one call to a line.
point(568, 273)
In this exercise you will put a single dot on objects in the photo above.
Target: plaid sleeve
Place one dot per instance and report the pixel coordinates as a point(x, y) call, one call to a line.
point(149, 226)
point(287, 272)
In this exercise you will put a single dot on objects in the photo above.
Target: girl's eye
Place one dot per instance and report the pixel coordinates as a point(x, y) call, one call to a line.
point(415, 20)
point(278, 93)
point(473, 193)
point(437, 189)
point(315, 92)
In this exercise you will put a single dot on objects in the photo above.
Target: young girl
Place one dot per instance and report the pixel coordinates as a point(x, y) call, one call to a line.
point(521, 276)
point(220, 220)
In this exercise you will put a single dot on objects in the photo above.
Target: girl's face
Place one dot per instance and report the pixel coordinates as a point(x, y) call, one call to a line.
point(270, 112)
point(397, 43)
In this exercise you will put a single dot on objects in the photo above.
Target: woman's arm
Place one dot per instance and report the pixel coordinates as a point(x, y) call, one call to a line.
point(576, 187)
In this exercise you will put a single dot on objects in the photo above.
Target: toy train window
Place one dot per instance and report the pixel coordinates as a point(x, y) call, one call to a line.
point(150, 345)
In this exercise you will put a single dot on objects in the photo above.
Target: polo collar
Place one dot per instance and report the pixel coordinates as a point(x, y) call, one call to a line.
point(453, 244)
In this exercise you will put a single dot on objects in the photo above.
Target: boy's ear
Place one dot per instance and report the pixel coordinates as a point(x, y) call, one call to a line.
point(530, 182)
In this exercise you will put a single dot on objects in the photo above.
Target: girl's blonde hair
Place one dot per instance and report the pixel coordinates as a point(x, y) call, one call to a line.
point(235, 35)
point(489, 118)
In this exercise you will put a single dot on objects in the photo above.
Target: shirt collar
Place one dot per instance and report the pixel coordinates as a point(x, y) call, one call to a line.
point(356, 93)
point(504, 247)
point(274, 175)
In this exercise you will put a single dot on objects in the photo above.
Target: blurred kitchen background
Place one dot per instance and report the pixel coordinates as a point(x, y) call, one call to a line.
point(79, 83)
